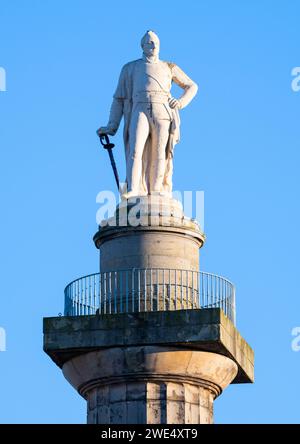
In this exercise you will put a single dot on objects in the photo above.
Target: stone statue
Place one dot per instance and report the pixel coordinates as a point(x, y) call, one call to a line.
point(151, 119)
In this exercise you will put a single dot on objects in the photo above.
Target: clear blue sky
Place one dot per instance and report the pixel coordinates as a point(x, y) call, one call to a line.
point(240, 144)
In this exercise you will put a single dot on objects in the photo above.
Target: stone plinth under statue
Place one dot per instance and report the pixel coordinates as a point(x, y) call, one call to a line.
point(165, 241)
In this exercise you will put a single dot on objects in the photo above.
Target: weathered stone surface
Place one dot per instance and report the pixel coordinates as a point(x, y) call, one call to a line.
point(149, 367)
point(203, 329)
point(162, 385)
point(175, 247)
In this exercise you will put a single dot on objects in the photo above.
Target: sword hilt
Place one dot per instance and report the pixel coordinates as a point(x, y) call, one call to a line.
point(104, 139)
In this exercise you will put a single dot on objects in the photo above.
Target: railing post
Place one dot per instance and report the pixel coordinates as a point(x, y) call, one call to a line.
point(127, 290)
point(139, 289)
point(105, 292)
point(145, 289)
point(132, 288)
point(151, 291)
point(115, 291)
point(121, 291)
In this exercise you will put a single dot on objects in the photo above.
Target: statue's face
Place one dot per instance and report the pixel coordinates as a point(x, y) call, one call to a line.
point(151, 45)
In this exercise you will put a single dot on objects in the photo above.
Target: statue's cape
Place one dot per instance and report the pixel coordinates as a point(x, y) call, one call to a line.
point(124, 91)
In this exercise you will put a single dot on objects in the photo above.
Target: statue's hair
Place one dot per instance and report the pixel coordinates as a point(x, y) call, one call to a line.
point(149, 32)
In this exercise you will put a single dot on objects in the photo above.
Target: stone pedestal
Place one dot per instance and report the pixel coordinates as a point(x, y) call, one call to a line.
point(165, 244)
point(164, 238)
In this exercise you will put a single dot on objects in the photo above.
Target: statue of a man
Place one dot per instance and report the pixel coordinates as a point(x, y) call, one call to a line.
point(151, 118)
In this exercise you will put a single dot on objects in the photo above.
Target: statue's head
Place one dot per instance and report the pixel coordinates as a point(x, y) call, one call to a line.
point(150, 44)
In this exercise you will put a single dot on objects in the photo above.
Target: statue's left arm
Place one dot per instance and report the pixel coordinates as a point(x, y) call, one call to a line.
point(188, 85)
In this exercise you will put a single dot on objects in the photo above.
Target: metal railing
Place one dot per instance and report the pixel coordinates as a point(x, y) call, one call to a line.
point(148, 289)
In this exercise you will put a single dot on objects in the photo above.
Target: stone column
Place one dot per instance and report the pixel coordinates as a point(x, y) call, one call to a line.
point(150, 384)
point(162, 359)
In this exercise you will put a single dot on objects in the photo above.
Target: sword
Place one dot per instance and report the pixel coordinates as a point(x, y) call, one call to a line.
point(104, 140)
